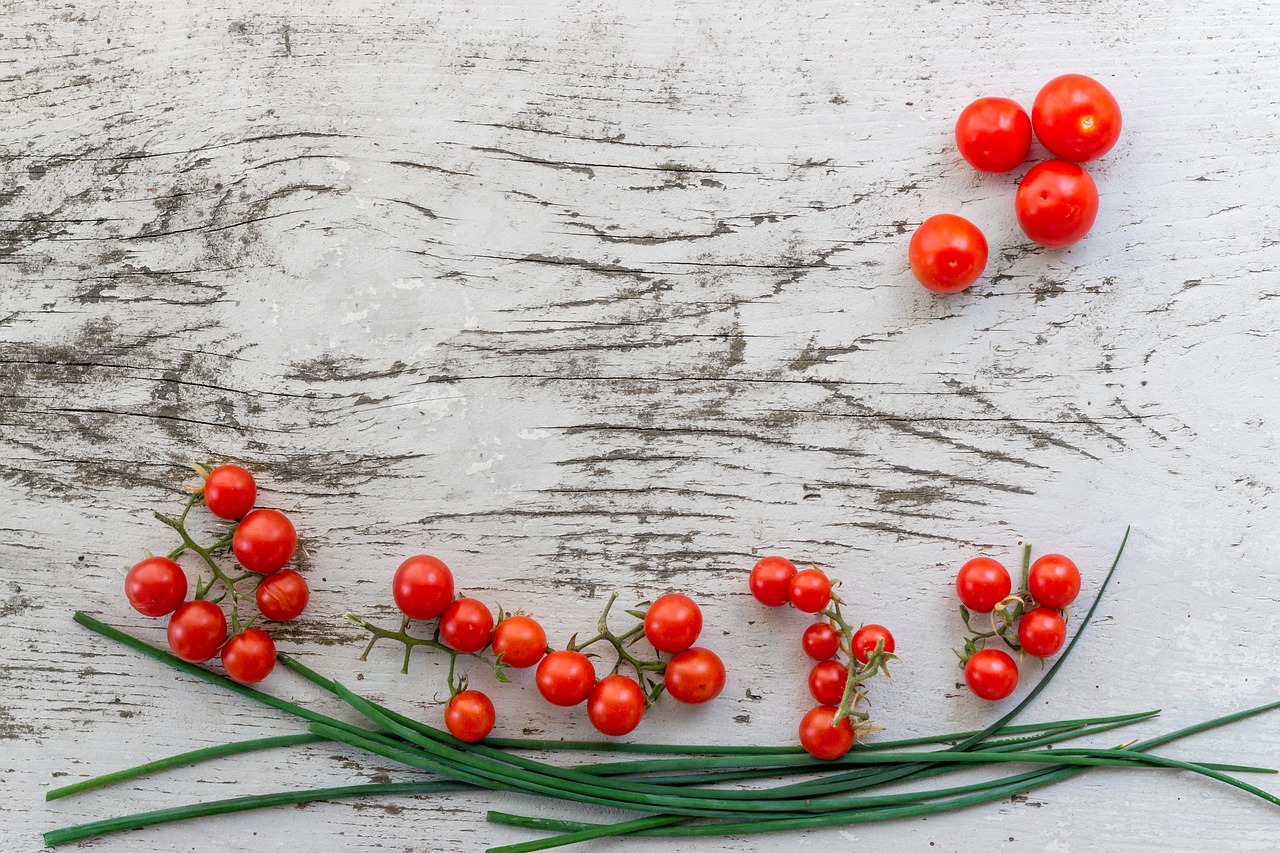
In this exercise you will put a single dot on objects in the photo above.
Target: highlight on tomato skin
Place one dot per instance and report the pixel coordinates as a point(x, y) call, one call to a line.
point(947, 253)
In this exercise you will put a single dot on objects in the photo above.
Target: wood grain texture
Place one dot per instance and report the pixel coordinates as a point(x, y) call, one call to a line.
point(590, 296)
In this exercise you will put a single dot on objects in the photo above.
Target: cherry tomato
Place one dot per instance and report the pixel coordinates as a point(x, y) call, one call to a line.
point(672, 623)
point(1042, 632)
point(249, 656)
point(1076, 118)
point(694, 676)
point(264, 541)
point(865, 640)
point(422, 587)
point(820, 641)
point(282, 595)
point(810, 591)
point(615, 705)
point(947, 253)
point(1056, 203)
point(982, 583)
point(991, 674)
point(229, 492)
point(467, 625)
point(827, 680)
point(565, 677)
point(156, 586)
point(771, 581)
point(520, 640)
point(196, 630)
point(1054, 581)
point(823, 740)
point(993, 134)
point(470, 716)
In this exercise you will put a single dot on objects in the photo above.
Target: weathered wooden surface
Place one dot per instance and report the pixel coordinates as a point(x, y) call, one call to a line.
point(596, 296)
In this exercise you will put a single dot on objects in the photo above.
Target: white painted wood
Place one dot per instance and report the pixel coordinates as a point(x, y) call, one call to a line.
point(592, 296)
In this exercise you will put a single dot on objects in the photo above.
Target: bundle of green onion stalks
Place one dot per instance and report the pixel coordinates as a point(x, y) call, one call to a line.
point(688, 790)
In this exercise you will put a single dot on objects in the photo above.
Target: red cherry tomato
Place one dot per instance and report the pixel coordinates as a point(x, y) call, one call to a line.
point(947, 253)
point(249, 656)
point(565, 677)
point(520, 640)
point(1054, 581)
point(264, 541)
point(466, 626)
point(156, 586)
point(820, 641)
point(982, 583)
point(282, 595)
point(991, 674)
point(827, 680)
point(993, 134)
point(694, 676)
point(823, 740)
point(196, 630)
point(230, 492)
point(1042, 632)
point(771, 581)
point(422, 587)
point(865, 640)
point(673, 623)
point(615, 705)
point(470, 716)
point(1056, 203)
point(810, 591)
point(1076, 118)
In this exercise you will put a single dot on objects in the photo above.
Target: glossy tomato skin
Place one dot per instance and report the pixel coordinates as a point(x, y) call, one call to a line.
point(1076, 118)
point(867, 637)
point(1054, 581)
point(820, 641)
point(196, 630)
point(264, 541)
point(249, 656)
point(565, 677)
point(810, 591)
point(822, 740)
point(672, 623)
point(422, 587)
point(1042, 632)
point(694, 676)
point(827, 680)
point(466, 625)
point(994, 134)
point(156, 586)
point(947, 253)
point(282, 595)
point(982, 583)
point(771, 581)
point(1056, 203)
point(991, 674)
point(616, 705)
point(230, 492)
point(470, 716)
point(520, 640)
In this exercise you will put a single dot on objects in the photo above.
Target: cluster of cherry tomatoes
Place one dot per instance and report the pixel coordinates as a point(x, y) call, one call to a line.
point(1056, 203)
point(423, 589)
point(1033, 622)
point(263, 541)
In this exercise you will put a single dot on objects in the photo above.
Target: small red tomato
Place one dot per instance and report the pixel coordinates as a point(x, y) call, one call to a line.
point(282, 595)
point(196, 630)
point(1054, 581)
point(867, 637)
point(771, 581)
point(1056, 203)
point(827, 680)
point(565, 677)
point(982, 583)
point(994, 134)
point(810, 591)
point(991, 674)
point(230, 492)
point(615, 705)
point(947, 253)
point(1042, 632)
point(156, 586)
point(672, 623)
point(249, 656)
point(1076, 118)
point(820, 641)
point(694, 676)
point(520, 640)
point(470, 716)
point(823, 740)
point(422, 587)
point(264, 541)
point(466, 626)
